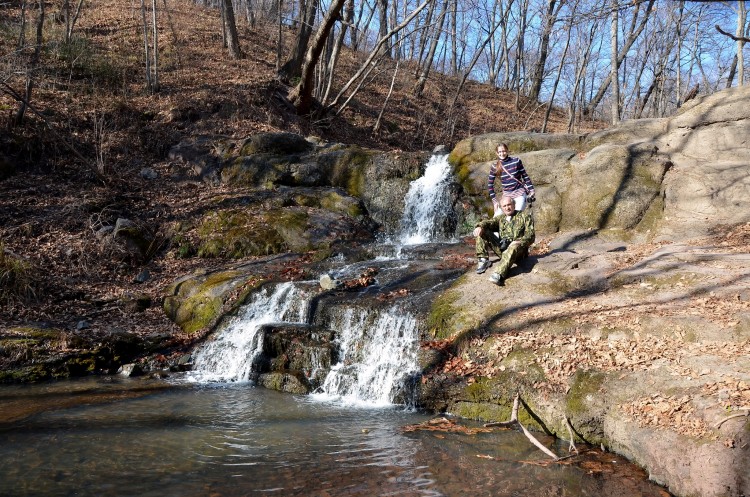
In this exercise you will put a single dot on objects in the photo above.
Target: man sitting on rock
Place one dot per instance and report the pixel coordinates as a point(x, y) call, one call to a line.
point(510, 236)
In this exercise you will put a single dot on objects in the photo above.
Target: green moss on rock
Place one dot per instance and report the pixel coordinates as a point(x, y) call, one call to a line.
point(237, 234)
point(586, 385)
point(443, 314)
point(197, 302)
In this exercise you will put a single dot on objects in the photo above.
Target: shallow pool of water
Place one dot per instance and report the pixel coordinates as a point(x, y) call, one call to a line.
point(137, 437)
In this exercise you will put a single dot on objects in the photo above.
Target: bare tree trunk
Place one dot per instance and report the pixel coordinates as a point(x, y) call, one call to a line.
point(732, 71)
point(146, 48)
point(249, 13)
point(279, 39)
point(32, 65)
point(569, 28)
point(473, 62)
point(292, 68)
point(70, 22)
point(301, 96)
point(367, 66)
point(580, 78)
point(66, 14)
point(22, 34)
point(354, 37)
point(741, 18)
point(454, 38)
point(614, 65)
point(230, 26)
point(348, 17)
point(383, 24)
point(680, 35)
point(419, 86)
point(519, 54)
point(155, 34)
point(426, 34)
point(634, 33)
point(538, 72)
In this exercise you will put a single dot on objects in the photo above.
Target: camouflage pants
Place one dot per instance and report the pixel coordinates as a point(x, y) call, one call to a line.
point(508, 257)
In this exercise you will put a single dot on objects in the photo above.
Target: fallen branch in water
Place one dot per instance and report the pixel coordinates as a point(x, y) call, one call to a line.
point(514, 421)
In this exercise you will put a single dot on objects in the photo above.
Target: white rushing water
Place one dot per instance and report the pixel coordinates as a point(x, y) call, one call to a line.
point(377, 352)
point(230, 356)
point(427, 205)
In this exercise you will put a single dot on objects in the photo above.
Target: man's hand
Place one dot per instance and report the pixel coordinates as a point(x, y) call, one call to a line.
point(477, 231)
point(514, 243)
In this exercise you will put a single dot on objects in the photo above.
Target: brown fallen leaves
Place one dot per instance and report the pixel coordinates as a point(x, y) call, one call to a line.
point(445, 425)
point(366, 278)
point(731, 395)
point(394, 294)
point(667, 412)
point(456, 261)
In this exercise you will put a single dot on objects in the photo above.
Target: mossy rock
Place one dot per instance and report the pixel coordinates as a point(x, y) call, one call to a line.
point(287, 382)
point(27, 374)
point(583, 405)
point(481, 148)
point(37, 354)
point(261, 171)
point(292, 225)
point(275, 143)
point(237, 234)
point(346, 168)
point(196, 302)
point(445, 317)
point(612, 187)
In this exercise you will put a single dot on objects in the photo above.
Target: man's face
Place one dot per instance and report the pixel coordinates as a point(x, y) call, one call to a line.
point(502, 152)
point(508, 206)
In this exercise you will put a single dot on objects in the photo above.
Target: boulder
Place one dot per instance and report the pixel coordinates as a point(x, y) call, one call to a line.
point(303, 351)
point(647, 176)
point(196, 302)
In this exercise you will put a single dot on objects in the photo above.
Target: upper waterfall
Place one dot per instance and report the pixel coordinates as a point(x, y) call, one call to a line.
point(428, 206)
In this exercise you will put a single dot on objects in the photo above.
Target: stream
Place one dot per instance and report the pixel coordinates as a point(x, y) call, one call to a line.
point(143, 437)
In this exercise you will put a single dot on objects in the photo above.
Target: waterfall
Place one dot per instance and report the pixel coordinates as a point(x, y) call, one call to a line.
point(427, 205)
point(377, 348)
point(230, 356)
point(377, 352)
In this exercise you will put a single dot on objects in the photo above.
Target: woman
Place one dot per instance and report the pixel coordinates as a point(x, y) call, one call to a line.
point(516, 184)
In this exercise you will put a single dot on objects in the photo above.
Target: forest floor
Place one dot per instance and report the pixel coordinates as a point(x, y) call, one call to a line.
point(91, 128)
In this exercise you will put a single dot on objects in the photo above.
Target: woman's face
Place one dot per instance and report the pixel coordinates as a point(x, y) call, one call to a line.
point(502, 152)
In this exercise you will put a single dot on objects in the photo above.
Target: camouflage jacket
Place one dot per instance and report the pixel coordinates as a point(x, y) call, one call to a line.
point(520, 227)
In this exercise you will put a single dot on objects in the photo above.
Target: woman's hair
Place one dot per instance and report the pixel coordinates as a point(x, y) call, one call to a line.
point(504, 145)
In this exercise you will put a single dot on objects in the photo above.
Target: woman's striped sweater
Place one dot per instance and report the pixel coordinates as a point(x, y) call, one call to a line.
point(515, 181)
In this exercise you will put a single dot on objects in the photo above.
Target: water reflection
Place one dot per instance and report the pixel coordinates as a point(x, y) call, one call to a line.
point(142, 438)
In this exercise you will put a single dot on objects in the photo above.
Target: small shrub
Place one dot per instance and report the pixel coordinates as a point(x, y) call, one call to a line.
point(16, 278)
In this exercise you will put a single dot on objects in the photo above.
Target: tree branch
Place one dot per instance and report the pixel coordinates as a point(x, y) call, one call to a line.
point(735, 38)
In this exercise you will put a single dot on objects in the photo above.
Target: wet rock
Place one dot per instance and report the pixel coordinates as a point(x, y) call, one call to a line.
point(142, 276)
point(149, 173)
point(328, 282)
point(131, 370)
point(285, 382)
point(302, 350)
